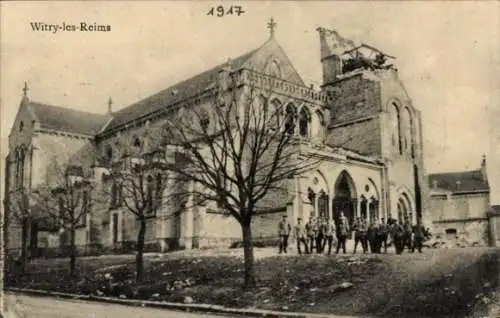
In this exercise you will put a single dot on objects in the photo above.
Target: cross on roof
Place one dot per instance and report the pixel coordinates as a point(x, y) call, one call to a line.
point(271, 25)
point(25, 89)
point(110, 103)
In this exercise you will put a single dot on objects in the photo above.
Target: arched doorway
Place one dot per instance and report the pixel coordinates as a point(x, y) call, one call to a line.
point(404, 208)
point(344, 197)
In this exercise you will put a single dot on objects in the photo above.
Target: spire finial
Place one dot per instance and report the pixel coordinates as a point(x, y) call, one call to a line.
point(25, 89)
point(271, 25)
point(110, 103)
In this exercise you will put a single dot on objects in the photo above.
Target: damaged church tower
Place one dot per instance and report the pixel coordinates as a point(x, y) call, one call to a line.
point(372, 114)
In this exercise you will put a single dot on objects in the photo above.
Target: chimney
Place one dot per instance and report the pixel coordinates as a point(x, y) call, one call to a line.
point(483, 169)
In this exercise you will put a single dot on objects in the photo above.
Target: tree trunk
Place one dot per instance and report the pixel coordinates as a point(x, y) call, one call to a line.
point(72, 255)
point(139, 259)
point(250, 281)
point(24, 245)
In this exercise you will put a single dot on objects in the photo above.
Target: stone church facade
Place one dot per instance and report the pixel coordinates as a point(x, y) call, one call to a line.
point(361, 123)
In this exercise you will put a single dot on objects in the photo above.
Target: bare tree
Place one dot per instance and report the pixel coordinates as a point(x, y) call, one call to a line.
point(68, 202)
point(236, 150)
point(20, 211)
point(138, 182)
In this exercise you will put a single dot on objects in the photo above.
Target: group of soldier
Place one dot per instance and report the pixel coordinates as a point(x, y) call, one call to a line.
point(373, 236)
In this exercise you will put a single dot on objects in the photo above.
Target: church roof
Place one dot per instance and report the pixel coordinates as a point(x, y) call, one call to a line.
point(464, 181)
point(255, 59)
point(67, 120)
point(173, 94)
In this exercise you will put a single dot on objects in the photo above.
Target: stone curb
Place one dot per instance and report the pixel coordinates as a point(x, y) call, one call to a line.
point(207, 308)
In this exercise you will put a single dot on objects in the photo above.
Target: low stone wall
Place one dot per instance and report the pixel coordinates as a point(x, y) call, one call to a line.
point(462, 233)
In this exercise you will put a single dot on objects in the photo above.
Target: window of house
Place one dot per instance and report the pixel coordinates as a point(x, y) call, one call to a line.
point(451, 233)
point(21, 126)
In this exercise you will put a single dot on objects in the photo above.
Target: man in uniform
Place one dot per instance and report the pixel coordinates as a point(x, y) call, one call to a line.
point(284, 229)
point(320, 235)
point(329, 234)
point(359, 229)
point(300, 235)
point(419, 233)
point(342, 232)
point(399, 237)
point(371, 236)
point(311, 233)
point(408, 232)
point(382, 233)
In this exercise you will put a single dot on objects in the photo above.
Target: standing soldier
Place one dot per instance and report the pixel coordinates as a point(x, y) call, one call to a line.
point(408, 232)
point(359, 229)
point(300, 235)
point(383, 231)
point(284, 229)
point(419, 233)
point(342, 232)
point(399, 237)
point(310, 233)
point(371, 236)
point(320, 235)
point(329, 234)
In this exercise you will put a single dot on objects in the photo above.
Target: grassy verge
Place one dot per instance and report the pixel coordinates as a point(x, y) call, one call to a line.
point(446, 283)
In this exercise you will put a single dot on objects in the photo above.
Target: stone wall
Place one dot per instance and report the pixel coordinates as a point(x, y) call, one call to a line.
point(459, 206)
point(354, 98)
point(362, 137)
point(462, 233)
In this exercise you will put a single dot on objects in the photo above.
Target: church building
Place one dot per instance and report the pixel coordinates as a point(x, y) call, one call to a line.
point(361, 123)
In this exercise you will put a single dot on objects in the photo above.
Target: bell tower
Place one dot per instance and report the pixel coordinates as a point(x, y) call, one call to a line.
point(332, 47)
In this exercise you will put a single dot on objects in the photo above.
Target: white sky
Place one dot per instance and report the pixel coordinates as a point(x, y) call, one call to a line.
point(447, 54)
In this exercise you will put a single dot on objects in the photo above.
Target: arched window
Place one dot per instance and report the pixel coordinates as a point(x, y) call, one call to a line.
point(290, 115)
point(275, 111)
point(20, 168)
point(373, 209)
point(274, 69)
point(149, 195)
point(318, 124)
point(136, 142)
point(109, 152)
point(159, 191)
point(204, 120)
point(407, 126)
point(322, 204)
point(396, 127)
point(21, 126)
point(304, 119)
point(363, 208)
point(411, 133)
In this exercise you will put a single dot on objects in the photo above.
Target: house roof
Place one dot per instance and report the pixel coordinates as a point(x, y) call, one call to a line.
point(463, 181)
point(68, 120)
point(173, 94)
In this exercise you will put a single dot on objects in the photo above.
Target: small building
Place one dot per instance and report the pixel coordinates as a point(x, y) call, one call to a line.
point(460, 207)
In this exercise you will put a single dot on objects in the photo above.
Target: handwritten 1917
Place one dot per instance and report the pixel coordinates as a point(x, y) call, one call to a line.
point(221, 11)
